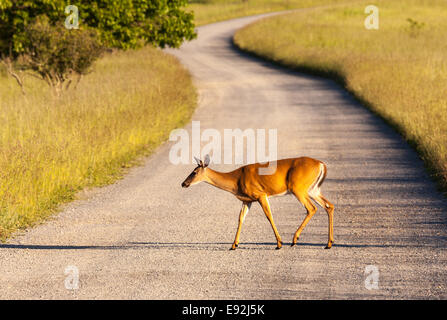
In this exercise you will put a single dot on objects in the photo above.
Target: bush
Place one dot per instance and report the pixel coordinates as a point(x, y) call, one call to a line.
point(33, 37)
point(123, 24)
point(56, 54)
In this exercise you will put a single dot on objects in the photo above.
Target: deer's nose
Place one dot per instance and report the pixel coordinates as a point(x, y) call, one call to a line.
point(184, 185)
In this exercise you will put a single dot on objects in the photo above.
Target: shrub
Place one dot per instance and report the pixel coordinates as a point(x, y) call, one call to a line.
point(56, 54)
point(33, 37)
point(122, 24)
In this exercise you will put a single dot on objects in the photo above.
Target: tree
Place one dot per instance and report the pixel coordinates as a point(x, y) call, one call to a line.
point(121, 24)
point(55, 54)
point(33, 36)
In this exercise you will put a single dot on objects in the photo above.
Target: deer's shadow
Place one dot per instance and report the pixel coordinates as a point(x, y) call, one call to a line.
point(212, 246)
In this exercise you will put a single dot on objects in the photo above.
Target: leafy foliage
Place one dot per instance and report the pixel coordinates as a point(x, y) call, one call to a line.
point(122, 24)
point(55, 53)
point(127, 23)
point(33, 34)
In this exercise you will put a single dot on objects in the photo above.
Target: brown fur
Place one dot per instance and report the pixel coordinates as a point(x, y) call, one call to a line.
point(300, 176)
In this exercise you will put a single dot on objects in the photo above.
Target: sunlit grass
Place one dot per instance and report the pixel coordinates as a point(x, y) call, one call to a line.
point(399, 71)
point(208, 11)
point(50, 148)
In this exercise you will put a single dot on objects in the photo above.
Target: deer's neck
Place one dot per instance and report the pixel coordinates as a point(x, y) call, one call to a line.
point(224, 181)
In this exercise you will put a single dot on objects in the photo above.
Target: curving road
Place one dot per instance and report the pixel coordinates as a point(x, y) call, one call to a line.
point(146, 237)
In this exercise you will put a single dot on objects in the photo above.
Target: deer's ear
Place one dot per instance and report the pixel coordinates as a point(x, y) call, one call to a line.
point(199, 162)
point(206, 161)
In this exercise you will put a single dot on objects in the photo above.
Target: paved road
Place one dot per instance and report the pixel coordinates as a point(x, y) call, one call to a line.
point(146, 237)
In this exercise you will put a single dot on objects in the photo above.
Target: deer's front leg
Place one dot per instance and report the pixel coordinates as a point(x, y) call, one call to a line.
point(244, 210)
point(264, 202)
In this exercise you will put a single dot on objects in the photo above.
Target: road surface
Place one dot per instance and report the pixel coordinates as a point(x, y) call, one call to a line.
point(147, 238)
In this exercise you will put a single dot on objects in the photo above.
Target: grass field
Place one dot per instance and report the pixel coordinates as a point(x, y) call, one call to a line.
point(208, 11)
point(51, 148)
point(398, 71)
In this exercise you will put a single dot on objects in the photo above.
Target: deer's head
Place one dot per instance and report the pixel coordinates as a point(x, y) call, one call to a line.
point(198, 174)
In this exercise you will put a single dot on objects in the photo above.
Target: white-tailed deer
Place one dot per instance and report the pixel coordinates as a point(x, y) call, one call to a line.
point(300, 176)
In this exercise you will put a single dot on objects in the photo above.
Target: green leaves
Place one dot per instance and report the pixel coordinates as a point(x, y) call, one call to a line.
point(33, 34)
point(123, 24)
point(55, 54)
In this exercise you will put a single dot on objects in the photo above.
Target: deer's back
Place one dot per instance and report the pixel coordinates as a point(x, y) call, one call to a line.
point(289, 174)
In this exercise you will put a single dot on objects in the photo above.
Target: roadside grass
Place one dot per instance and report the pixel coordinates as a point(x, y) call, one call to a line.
point(209, 11)
point(398, 71)
point(50, 148)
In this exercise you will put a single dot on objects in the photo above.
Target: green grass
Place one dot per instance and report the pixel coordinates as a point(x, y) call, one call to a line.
point(399, 71)
point(208, 11)
point(50, 148)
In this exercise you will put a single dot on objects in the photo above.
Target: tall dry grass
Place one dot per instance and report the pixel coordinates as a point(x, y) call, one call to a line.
point(400, 70)
point(52, 147)
point(208, 11)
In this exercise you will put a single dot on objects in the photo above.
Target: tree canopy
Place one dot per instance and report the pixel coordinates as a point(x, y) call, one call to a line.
point(121, 24)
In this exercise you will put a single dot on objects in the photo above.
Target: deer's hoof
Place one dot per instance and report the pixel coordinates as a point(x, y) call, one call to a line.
point(294, 242)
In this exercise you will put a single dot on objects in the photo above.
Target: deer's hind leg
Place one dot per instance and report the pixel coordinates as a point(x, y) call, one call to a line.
point(311, 209)
point(329, 207)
